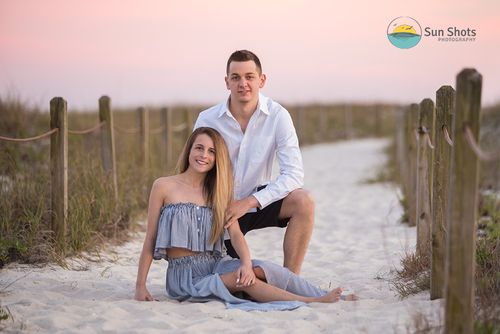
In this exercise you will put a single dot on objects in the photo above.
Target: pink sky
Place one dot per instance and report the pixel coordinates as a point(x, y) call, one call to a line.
point(163, 52)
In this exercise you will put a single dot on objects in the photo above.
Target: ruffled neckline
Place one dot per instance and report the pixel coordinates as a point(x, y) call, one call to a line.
point(181, 204)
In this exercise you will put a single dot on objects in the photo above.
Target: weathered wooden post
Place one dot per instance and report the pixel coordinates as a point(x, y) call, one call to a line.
point(445, 100)
point(378, 121)
point(348, 121)
point(323, 122)
point(405, 158)
point(166, 139)
point(189, 121)
point(59, 170)
point(412, 164)
point(424, 217)
point(400, 141)
point(143, 120)
point(108, 142)
point(463, 207)
point(301, 126)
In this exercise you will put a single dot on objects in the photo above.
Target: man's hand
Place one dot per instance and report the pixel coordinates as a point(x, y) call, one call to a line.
point(237, 209)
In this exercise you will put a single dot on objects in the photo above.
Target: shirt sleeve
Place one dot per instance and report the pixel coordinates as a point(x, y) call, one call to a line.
point(291, 170)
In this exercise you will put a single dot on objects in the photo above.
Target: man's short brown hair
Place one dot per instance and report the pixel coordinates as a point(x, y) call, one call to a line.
point(244, 55)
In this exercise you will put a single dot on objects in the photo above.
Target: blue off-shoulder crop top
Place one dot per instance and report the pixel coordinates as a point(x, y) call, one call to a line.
point(185, 225)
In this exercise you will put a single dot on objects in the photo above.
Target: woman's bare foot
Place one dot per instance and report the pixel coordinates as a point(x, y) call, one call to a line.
point(349, 297)
point(331, 297)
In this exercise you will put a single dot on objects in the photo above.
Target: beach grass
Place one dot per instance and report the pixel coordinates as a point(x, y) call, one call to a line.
point(94, 216)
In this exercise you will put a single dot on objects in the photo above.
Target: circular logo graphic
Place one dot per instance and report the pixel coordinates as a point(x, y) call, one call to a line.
point(404, 32)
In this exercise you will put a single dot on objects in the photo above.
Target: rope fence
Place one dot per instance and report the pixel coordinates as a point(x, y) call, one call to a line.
point(438, 160)
point(24, 140)
point(157, 130)
point(59, 151)
point(123, 130)
point(474, 145)
point(84, 132)
point(447, 135)
point(471, 141)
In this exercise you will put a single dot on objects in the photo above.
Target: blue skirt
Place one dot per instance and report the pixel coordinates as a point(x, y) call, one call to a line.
point(196, 278)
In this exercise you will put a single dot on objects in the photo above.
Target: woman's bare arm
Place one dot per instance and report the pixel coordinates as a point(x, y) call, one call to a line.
point(156, 198)
point(245, 275)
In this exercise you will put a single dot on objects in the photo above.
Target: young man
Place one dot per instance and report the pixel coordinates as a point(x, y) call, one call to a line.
point(256, 129)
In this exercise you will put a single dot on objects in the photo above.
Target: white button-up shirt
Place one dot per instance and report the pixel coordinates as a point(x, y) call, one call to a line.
point(270, 133)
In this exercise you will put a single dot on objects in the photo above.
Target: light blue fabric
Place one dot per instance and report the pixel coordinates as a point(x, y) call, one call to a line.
point(197, 277)
point(185, 225)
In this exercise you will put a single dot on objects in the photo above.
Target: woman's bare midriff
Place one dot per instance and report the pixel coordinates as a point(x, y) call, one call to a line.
point(179, 252)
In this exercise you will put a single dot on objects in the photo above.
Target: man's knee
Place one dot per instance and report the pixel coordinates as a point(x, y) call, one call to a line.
point(298, 202)
point(303, 201)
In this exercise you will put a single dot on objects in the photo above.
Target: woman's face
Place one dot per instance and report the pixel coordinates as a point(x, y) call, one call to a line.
point(202, 154)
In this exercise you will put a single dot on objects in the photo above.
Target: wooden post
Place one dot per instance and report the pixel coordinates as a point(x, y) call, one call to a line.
point(143, 117)
point(463, 207)
point(400, 141)
point(59, 170)
point(108, 154)
point(378, 122)
point(348, 121)
point(166, 140)
point(189, 121)
point(423, 191)
point(412, 164)
point(445, 98)
point(405, 158)
point(301, 126)
point(323, 122)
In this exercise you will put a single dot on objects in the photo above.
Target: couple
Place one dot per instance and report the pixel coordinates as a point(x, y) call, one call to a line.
point(189, 212)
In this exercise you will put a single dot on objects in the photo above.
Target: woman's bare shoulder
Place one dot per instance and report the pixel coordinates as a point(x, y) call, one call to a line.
point(165, 183)
point(167, 187)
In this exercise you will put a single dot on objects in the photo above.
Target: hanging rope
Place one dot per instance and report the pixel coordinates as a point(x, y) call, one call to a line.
point(46, 134)
point(425, 131)
point(157, 130)
point(130, 131)
point(489, 156)
point(180, 127)
point(83, 132)
point(447, 135)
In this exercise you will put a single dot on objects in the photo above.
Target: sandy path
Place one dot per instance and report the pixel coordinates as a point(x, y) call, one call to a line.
point(357, 241)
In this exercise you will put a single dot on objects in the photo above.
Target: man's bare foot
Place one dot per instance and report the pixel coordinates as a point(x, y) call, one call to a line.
point(331, 297)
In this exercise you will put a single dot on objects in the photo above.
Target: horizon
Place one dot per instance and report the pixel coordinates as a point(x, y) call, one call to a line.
point(158, 53)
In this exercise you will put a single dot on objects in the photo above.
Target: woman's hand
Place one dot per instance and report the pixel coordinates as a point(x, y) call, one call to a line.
point(142, 294)
point(238, 208)
point(245, 276)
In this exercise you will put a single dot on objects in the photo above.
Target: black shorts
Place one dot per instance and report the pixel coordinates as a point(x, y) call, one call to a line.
point(267, 217)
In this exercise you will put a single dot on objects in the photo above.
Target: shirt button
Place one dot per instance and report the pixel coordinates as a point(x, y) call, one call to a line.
point(197, 208)
point(199, 218)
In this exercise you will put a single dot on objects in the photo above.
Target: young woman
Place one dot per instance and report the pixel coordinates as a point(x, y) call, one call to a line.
point(186, 227)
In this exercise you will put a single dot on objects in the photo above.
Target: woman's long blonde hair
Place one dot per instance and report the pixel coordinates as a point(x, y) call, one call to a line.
point(218, 184)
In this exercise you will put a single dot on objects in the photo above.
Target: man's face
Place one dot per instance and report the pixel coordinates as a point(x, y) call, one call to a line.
point(244, 81)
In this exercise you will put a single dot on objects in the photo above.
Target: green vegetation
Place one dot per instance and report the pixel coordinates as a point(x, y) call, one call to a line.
point(94, 217)
point(93, 214)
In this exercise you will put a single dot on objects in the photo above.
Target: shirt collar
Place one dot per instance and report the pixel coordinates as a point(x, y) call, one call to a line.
point(262, 106)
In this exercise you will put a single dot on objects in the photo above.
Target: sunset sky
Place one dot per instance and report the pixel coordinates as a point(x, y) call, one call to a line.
point(161, 52)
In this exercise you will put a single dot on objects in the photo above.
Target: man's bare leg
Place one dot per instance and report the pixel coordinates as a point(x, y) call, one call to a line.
point(299, 206)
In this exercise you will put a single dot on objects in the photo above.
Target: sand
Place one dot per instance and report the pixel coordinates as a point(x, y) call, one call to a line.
point(357, 243)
